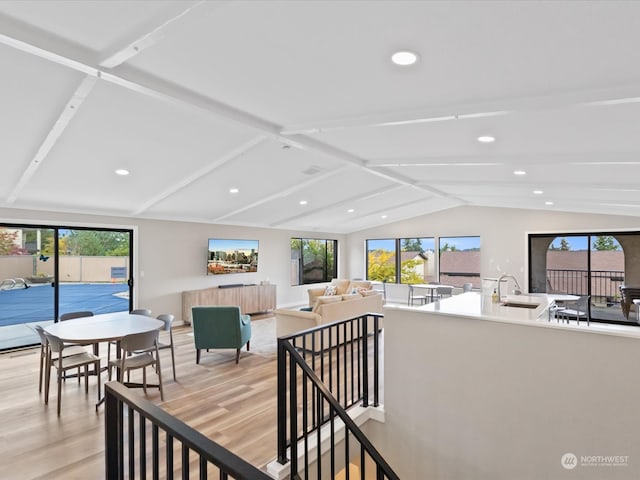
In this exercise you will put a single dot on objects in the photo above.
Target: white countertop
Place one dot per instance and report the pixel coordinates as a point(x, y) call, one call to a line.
point(476, 305)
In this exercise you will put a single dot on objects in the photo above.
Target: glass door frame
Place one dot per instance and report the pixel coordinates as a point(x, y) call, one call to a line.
point(629, 241)
point(56, 228)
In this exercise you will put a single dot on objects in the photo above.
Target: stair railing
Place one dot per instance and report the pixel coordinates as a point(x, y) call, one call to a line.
point(151, 443)
point(322, 372)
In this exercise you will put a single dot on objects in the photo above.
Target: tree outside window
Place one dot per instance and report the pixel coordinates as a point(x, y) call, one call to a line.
point(313, 260)
point(381, 260)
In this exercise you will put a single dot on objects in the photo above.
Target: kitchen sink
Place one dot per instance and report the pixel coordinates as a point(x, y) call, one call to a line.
point(520, 304)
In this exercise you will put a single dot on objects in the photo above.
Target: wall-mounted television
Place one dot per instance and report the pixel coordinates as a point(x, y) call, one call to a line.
point(232, 256)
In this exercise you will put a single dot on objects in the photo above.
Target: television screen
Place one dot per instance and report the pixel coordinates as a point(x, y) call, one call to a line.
point(232, 256)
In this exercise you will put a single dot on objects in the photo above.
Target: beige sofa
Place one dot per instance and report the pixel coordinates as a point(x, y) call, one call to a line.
point(341, 287)
point(329, 309)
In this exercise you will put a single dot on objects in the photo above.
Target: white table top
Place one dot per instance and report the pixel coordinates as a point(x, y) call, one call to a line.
point(430, 286)
point(103, 328)
point(562, 297)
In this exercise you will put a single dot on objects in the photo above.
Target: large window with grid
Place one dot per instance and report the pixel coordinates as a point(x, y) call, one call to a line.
point(401, 260)
point(448, 260)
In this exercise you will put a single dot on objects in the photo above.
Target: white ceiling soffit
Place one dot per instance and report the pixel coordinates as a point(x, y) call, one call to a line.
point(298, 101)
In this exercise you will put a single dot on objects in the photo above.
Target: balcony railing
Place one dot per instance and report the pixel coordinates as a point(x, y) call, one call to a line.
point(605, 284)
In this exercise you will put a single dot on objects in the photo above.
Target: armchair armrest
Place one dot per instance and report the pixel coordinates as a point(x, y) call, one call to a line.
point(293, 321)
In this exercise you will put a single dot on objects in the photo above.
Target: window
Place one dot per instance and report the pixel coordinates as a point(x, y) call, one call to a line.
point(594, 264)
point(313, 260)
point(414, 258)
point(459, 261)
point(381, 260)
point(417, 260)
point(47, 270)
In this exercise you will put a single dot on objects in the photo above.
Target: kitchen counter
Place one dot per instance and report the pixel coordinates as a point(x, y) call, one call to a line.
point(532, 310)
point(485, 391)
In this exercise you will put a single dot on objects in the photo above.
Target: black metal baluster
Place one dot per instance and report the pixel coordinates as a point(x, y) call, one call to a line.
point(169, 450)
point(143, 448)
point(155, 448)
point(132, 446)
point(293, 419)
point(365, 364)
point(376, 361)
point(185, 462)
point(282, 402)
point(203, 468)
point(305, 423)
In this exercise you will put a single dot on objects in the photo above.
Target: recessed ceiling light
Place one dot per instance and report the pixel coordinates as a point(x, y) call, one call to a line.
point(548, 203)
point(538, 192)
point(383, 216)
point(122, 171)
point(303, 202)
point(351, 210)
point(233, 190)
point(404, 58)
point(519, 172)
point(486, 139)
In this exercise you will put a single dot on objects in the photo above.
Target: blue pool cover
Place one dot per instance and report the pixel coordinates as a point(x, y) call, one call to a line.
point(35, 304)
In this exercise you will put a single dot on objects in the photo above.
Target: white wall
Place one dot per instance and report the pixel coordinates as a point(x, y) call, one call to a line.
point(172, 256)
point(482, 400)
point(503, 233)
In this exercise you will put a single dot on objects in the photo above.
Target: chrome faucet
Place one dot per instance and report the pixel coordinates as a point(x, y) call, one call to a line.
point(516, 291)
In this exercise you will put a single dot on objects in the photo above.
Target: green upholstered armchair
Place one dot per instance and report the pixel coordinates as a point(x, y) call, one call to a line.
point(220, 327)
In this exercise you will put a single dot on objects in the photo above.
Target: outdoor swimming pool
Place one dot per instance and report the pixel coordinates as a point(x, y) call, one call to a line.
point(35, 304)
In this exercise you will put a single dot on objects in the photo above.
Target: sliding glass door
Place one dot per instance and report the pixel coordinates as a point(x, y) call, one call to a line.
point(594, 264)
point(26, 279)
point(49, 270)
point(93, 270)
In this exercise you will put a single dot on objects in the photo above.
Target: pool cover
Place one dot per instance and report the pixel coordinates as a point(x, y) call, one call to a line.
point(35, 304)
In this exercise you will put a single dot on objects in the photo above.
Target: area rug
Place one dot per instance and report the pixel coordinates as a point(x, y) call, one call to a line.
point(263, 337)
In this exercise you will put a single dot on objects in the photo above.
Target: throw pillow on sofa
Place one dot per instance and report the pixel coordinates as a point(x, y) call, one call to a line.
point(330, 290)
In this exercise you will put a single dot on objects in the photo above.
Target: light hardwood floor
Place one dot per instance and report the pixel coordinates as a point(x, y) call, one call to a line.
point(235, 405)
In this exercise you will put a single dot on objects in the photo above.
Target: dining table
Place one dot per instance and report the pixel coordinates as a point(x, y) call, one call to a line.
point(431, 287)
point(563, 298)
point(561, 301)
point(105, 327)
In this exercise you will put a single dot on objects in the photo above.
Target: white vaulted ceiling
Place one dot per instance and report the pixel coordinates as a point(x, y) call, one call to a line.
point(289, 101)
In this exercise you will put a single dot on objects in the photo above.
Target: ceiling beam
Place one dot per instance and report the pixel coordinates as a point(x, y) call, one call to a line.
point(622, 94)
point(346, 201)
point(68, 112)
point(33, 42)
point(283, 193)
point(195, 176)
point(519, 159)
point(134, 46)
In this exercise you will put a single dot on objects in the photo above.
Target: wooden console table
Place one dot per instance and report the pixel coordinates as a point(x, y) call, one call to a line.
point(250, 298)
